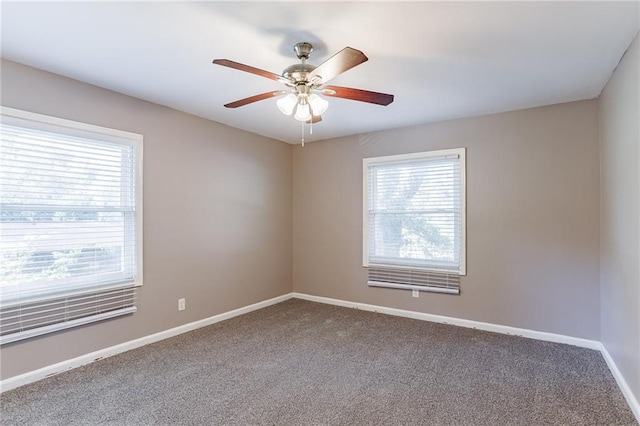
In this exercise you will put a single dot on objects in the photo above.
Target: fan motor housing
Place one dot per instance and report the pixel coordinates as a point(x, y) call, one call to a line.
point(298, 72)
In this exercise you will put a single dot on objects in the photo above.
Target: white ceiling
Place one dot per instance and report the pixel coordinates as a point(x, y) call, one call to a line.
point(441, 60)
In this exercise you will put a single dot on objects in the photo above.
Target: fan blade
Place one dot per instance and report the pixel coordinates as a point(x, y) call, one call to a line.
point(315, 119)
point(358, 95)
point(251, 70)
point(342, 61)
point(255, 98)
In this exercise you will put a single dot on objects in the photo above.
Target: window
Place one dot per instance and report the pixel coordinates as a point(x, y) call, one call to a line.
point(70, 223)
point(414, 220)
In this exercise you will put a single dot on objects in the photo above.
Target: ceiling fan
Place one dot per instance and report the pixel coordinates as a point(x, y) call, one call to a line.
point(305, 82)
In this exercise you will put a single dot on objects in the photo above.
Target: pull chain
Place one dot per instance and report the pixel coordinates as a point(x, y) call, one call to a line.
point(302, 133)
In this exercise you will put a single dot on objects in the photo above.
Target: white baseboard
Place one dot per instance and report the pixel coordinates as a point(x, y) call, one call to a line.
point(503, 329)
point(622, 383)
point(52, 370)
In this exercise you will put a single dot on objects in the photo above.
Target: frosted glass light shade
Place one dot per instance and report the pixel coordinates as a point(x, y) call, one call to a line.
point(318, 105)
point(287, 104)
point(303, 113)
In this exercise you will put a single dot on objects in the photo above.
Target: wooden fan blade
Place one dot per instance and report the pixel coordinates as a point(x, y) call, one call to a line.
point(251, 70)
point(342, 61)
point(315, 119)
point(255, 98)
point(358, 95)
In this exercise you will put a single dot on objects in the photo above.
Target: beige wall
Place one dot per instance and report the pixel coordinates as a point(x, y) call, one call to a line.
point(620, 216)
point(217, 214)
point(532, 218)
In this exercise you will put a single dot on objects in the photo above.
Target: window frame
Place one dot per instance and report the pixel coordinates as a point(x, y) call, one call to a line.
point(65, 127)
point(412, 158)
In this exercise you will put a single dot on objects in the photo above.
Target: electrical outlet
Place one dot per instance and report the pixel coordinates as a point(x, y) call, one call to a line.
point(415, 293)
point(181, 305)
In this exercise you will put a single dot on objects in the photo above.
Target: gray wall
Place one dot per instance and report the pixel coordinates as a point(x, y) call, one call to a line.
point(620, 216)
point(533, 244)
point(217, 214)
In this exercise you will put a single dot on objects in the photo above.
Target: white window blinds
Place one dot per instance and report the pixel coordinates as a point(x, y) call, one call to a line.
point(70, 223)
point(414, 215)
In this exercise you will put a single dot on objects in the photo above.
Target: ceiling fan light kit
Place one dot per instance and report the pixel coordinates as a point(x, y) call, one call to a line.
point(306, 81)
point(313, 105)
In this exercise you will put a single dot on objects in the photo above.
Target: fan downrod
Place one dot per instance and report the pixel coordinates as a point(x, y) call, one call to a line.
point(298, 73)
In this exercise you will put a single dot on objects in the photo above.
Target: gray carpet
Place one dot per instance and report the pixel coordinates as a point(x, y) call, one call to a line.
point(303, 363)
